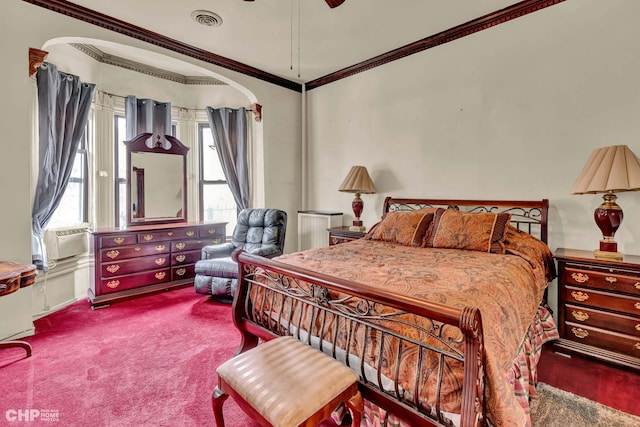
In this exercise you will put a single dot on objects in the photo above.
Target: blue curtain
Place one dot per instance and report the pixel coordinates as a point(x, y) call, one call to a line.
point(148, 115)
point(229, 130)
point(63, 109)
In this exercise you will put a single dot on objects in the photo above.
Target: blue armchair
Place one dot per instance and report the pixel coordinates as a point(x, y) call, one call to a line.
point(258, 231)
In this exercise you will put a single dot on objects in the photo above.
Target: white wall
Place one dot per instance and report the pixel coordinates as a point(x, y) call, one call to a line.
point(510, 112)
point(23, 26)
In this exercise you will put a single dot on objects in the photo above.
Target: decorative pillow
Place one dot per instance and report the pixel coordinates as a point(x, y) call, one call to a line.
point(406, 227)
point(481, 231)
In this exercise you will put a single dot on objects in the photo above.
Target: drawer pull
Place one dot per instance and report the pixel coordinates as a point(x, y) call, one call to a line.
point(579, 296)
point(148, 237)
point(637, 346)
point(211, 231)
point(190, 233)
point(113, 254)
point(181, 245)
point(181, 258)
point(181, 271)
point(137, 249)
point(216, 241)
point(580, 333)
point(113, 268)
point(579, 277)
point(579, 315)
point(160, 248)
point(118, 240)
point(160, 261)
point(334, 241)
point(160, 275)
point(637, 285)
point(170, 233)
point(637, 305)
point(113, 284)
point(638, 327)
point(611, 279)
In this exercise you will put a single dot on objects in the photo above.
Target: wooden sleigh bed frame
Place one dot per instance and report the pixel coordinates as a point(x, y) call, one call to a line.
point(283, 282)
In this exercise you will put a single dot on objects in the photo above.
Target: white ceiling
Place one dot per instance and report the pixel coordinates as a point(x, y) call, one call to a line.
point(264, 33)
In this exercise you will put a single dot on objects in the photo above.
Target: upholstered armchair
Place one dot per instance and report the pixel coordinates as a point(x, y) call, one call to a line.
point(258, 231)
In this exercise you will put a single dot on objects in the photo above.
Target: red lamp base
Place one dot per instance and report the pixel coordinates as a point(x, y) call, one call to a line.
point(608, 217)
point(357, 205)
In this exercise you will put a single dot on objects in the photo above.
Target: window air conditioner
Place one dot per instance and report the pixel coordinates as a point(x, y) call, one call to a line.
point(66, 242)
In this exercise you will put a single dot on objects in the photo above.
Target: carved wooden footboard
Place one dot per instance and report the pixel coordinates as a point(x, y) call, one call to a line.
point(404, 349)
point(357, 309)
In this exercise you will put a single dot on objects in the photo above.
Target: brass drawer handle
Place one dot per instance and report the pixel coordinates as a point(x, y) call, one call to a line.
point(580, 333)
point(190, 233)
point(334, 240)
point(637, 305)
point(611, 279)
point(181, 258)
point(148, 237)
point(181, 271)
point(137, 249)
point(211, 231)
point(579, 296)
point(113, 254)
point(118, 240)
point(160, 261)
point(216, 241)
point(579, 315)
point(637, 285)
point(579, 277)
point(170, 233)
point(180, 245)
point(160, 248)
point(637, 346)
point(113, 284)
point(113, 268)
point(160, 275)
point(638, 327)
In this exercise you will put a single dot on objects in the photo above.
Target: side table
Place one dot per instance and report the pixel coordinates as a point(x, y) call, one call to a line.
point(14, 276)
point(342, 234)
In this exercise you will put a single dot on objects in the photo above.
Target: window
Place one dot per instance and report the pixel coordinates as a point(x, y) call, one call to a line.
point(216, 201)
point(120, 133)
point(73, 207)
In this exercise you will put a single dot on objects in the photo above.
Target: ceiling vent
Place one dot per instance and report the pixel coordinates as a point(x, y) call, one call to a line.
point(204, 17)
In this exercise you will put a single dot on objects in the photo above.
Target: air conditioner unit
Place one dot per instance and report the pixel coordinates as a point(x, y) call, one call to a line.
point(65, 242)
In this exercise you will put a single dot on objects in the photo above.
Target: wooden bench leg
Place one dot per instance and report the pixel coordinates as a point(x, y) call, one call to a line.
point(356, 406)
point(217, 401)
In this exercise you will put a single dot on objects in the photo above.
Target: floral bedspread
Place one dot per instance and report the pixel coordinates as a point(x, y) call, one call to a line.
point(506, 288)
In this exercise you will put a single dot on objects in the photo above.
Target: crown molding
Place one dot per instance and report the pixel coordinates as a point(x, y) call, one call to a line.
point(96, 18)
point(105, 58)
point(482, 23)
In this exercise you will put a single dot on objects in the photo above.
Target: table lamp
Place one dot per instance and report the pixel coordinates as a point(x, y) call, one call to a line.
point(357, 181)
point(609, 170)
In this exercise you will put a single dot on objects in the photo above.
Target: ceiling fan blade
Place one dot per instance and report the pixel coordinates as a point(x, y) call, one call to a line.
point(334, 3)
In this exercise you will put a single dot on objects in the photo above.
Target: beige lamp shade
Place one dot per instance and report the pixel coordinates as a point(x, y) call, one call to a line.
point(358, 181)
point(609, 169)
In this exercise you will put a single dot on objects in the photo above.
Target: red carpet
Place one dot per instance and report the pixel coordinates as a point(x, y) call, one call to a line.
point(145, 362)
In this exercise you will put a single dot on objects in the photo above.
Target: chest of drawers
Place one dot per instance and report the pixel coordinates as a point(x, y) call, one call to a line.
point(599, 306)
point(139, 260)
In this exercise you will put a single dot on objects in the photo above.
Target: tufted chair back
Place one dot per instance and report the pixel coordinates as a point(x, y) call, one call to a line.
point(258, 229)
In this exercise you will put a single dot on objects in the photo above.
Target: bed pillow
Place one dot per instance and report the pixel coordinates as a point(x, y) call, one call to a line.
point(406, 227)
point(481, 231)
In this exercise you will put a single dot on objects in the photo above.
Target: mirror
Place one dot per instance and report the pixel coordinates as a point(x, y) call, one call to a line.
point(156, 177)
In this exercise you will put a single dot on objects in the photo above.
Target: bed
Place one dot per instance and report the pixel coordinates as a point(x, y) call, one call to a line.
point(440, 309)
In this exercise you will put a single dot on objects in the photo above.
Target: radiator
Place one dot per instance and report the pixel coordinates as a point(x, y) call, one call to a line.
point(65, 242)
point(312, 228)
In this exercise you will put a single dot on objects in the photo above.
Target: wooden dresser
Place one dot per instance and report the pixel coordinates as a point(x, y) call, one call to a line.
point(599, 306)
point(143, 259)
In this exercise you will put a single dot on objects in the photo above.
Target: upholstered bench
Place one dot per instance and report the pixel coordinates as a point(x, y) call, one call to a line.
point(285, 383)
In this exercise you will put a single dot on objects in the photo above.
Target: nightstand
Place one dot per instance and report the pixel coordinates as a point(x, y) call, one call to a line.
point(599, 306)
point(342, 234)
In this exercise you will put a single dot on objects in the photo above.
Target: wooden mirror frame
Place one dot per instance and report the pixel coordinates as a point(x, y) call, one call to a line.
point(138, 145)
